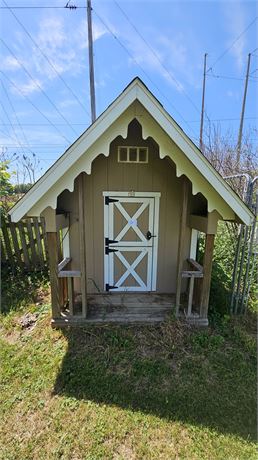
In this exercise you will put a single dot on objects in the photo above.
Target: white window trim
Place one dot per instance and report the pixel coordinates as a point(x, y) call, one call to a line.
point(137, 147)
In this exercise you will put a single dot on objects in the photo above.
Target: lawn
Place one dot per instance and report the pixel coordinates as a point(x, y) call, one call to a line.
point(164, 392)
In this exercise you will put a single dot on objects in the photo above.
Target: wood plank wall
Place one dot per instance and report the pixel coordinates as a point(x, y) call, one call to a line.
point(23, 243)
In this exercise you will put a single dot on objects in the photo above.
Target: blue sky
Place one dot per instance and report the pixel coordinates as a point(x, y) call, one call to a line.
point(45, 103)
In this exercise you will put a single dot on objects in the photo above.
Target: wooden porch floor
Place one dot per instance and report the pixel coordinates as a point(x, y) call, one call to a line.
point(127, 308)
point(122, 308)
point(130, 307)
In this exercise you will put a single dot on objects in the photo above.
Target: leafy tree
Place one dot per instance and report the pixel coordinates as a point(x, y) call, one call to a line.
point(22, 188)
point(6, 188)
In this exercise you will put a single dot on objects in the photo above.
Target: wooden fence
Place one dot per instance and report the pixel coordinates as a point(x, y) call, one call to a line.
point(24, 243)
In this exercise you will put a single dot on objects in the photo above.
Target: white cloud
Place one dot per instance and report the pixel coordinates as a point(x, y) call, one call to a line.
point(63, 45)
point(9, 63)
point(98, 31)
point(66, 103)
point(172, 49)
point(58, 45)
point(235, 24)
point(233, 95)
point(31, 86)
point(81, 34)
point(164, 57)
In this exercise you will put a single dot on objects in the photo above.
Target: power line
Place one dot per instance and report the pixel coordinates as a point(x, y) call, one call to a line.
point(46, 124)
point(35, 107)
point(38, 86)
point(224, 119)
point(233, 43)
point(14, 132)
point(46, 57)
point(225, 77)
point(158, 59)
point(66, 7)
point(143, 71)
point(38, 146)
point(16, 116)
point(21, 145)
point(82, 124)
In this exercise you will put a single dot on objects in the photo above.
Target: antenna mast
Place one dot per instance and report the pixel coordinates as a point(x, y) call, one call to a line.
point(203, 101)
point(91, 64)
point(239, 142)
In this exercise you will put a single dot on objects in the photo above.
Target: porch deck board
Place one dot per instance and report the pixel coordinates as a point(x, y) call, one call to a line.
point(122, 308)
point(129, 305)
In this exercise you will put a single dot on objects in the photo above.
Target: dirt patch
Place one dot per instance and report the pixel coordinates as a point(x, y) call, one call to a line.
point(12, 337)
point(42, 296)
point(28, 321)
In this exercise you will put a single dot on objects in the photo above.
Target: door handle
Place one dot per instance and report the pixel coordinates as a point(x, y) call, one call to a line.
point(149, 235)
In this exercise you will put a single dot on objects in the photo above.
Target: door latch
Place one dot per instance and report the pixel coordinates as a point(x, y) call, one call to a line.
point(149, 235)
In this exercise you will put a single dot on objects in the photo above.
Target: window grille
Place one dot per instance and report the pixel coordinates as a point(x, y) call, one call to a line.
point(132, 154)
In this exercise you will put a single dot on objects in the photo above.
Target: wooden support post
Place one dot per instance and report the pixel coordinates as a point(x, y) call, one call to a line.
point(59, 257)
point(70, 295)
point(181, 243)
point(190, 296)
point(207, 268)
point(54, 282)
point(82, 238)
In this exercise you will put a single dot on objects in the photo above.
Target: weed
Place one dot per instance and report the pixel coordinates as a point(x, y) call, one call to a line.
point(19, 288)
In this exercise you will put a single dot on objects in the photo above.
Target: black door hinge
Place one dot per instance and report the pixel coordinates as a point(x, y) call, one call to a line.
point(110, 200)
point(108, 241)
point(108, 287)
point(108, 250)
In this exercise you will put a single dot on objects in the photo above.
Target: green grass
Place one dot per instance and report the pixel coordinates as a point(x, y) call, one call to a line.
point(19, 288)
point(167, 392)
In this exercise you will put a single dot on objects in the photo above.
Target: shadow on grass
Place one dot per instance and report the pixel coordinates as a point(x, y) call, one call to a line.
point(171, 371)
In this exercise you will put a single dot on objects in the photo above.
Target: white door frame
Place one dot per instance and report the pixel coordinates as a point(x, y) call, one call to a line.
point(148, 245)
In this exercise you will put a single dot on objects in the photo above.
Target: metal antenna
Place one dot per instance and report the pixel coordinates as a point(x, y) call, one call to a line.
point(239, 142)
point(91, 64)
point(203, 102)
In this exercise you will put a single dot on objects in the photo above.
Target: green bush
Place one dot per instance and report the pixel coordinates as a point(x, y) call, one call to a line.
point(20, 288)
point(222, 271)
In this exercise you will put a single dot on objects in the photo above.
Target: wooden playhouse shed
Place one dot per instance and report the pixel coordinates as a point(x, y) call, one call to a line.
point(122, 209)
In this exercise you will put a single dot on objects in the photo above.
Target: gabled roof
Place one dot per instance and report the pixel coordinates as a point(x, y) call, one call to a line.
point(136, 101)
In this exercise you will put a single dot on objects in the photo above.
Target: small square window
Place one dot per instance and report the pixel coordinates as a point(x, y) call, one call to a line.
point(143, 155)
point(133, 154)
point(129, 154)
point(123, 154)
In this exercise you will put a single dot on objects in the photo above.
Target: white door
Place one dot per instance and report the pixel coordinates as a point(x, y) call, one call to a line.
point(131, 240)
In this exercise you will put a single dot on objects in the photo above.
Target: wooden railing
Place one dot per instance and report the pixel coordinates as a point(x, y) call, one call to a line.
point(24, 243)
point(66, 284)
point(196, 272)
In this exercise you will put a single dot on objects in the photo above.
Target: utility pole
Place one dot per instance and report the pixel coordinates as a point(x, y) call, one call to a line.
point(203, 101)
point(91, 65)
point(239, 141)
